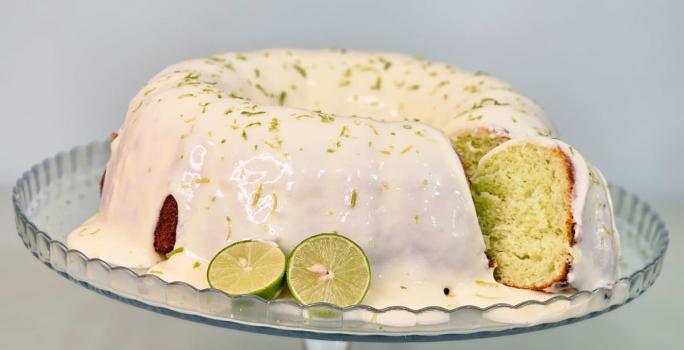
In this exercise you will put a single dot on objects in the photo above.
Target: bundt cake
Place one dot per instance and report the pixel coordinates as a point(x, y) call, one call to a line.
point(383, 148)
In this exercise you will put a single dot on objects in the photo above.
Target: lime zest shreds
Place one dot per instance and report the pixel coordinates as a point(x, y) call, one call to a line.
point(262, 90)
point(282, 97)
point(300, 70)
point(488, 101)
point(250, 113)
point(148, 91)
point(82, 231)
point(230, 227)
point(275, 122)
point(95, 231)
point(216, 58)
point(352, 201)
point(192, 76)
point(480, 295)
point(229, 66)
point(196, 265)
point(328, 268)
point(202, 180)
point(138, 106)
point(378, 84)
point(345, 131)
point(205, 106)
point(174, 252)
point(594, 178)
point(406, 149)
point(486, 284)
point(470, 88)
point(248, 267)
point(325, 118)
point(257, 195)
point(372, 127)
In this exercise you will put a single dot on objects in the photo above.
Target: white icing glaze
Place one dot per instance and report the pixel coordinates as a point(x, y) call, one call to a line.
point(249, 169)
point(596, 250)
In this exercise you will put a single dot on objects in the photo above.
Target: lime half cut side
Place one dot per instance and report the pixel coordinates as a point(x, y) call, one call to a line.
point(328, 268)
point(248, 267)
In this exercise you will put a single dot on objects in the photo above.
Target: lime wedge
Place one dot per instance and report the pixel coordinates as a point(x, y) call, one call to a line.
point(248, 267)
point(328, 268)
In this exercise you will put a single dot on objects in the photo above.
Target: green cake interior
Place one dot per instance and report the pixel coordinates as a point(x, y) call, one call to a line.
point(522, 195)
point(473, 145)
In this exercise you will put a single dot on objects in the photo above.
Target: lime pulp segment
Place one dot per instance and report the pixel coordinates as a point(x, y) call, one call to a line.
point(248, 267)
point(328, 268)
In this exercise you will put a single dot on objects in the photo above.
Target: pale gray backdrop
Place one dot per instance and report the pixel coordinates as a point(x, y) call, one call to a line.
point(609, 73)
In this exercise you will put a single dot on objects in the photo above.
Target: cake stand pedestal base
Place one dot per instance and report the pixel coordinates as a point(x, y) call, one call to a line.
point(312, 344)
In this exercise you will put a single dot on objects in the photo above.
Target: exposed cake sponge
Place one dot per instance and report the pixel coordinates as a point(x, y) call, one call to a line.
point(473, 145)
point(523, 196)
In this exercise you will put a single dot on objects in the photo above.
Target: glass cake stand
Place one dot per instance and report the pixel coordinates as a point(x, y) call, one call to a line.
point(58, 194)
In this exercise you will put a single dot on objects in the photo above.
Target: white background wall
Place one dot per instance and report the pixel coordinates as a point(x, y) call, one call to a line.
point(609, 73)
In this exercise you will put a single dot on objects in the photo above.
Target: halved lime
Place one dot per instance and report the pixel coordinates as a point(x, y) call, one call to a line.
point(248, 267)
point(328, 268)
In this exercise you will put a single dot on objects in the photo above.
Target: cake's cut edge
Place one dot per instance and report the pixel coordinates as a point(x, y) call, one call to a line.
point(473, 144)
point(165, 231)
point(523, 193)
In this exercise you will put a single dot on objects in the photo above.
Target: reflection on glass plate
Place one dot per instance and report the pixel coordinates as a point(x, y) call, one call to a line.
point(58, 194)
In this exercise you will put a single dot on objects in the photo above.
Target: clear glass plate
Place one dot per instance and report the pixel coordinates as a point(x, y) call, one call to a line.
point(59, 193)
